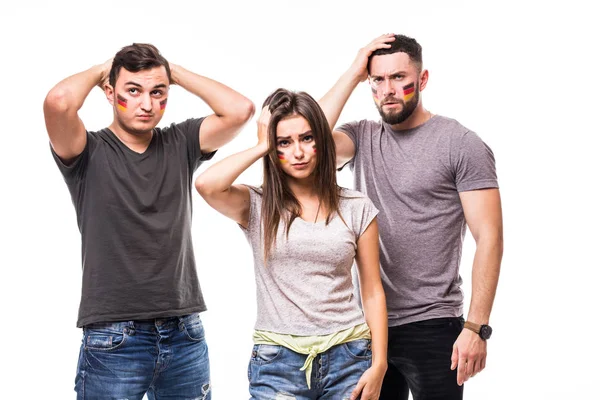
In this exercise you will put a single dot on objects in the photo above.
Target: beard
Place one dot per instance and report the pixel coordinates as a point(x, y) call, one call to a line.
point(397, 117)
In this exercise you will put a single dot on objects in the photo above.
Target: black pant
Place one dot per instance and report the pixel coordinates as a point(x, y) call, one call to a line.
point(419, 359)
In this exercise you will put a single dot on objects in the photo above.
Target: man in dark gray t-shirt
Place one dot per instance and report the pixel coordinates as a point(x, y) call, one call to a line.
point(131, 187)
point(430, 177)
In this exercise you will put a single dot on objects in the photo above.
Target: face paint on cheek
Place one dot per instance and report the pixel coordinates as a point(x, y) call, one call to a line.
point(409, 91)
point(163, 105)
point(314, 148)
point(281, 157)
point(121, 103)
point(375, 96)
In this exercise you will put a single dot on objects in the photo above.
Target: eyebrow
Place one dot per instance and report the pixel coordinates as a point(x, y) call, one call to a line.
point(398, 72)
point(159, 86)
point(300, 135)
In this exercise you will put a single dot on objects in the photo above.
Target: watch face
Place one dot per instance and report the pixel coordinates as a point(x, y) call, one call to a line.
point(485, 332)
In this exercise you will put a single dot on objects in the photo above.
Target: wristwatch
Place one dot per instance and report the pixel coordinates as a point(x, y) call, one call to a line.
point(484, 331)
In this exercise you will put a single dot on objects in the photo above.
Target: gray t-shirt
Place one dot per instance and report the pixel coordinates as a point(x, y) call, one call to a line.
point(413, 177)
point(306, 287)
point(134, 212)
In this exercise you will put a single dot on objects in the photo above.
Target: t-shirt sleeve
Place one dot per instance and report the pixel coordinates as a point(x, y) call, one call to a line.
point(364, 213)
point(75, 170)
point(474, 163)
point(352, 130)
point(190, 129)
point(254, 213)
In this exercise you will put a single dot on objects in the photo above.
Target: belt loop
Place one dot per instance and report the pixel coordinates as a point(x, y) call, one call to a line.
point(131, 328)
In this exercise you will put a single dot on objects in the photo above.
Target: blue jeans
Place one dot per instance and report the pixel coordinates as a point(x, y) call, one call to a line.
point(274, 372)
point(167, 358)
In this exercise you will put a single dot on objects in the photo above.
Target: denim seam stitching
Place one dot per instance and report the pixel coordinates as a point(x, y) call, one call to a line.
point(185, 330)
point(91, 348)
point(362, 358)
point(257, 361)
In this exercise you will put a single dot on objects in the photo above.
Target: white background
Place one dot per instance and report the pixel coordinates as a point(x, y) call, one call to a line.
point(524, 77)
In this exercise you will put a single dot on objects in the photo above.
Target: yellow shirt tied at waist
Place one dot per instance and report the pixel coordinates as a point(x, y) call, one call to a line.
point(312, 345)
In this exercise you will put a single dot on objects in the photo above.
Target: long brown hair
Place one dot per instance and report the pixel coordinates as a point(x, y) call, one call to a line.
point(278, 200)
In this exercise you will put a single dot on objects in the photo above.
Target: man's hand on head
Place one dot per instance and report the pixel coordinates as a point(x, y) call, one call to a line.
point(105, 73)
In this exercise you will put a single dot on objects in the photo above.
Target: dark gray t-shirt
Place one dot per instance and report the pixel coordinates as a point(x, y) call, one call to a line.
point(134, 212)
point(306, 287)
point(413, 177)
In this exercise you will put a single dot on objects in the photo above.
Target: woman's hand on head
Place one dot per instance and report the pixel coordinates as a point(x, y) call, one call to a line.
point(263, 126)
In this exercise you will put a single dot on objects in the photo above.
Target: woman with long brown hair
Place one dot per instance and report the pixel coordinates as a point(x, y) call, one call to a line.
point(312, 340)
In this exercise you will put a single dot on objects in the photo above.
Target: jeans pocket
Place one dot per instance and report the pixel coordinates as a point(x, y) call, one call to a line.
point(193, 328)
point(107, 337)
point(265, 353)
point(359, 349)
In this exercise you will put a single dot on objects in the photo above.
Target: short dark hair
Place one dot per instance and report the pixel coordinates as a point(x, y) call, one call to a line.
point(137, 57)
point(402, 44)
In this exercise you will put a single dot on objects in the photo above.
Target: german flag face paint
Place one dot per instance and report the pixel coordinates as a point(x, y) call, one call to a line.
point(375, 96)
point(314, 148)
point(163, 105)
point(281, 157)
point(409, 91)
point(121, 102)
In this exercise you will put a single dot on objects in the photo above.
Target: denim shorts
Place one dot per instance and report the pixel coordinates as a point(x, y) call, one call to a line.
point(274, 372)
point(163, 358)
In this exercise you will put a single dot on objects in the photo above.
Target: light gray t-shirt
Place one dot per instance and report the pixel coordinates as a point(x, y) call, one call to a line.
point(306, 287)
point(413, 177)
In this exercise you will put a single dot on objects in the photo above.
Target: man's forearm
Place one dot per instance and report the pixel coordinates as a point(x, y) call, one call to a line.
point(486, 272)
point(224, 101)
point(70, 93)
point(335, 99)
point(65, 129)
